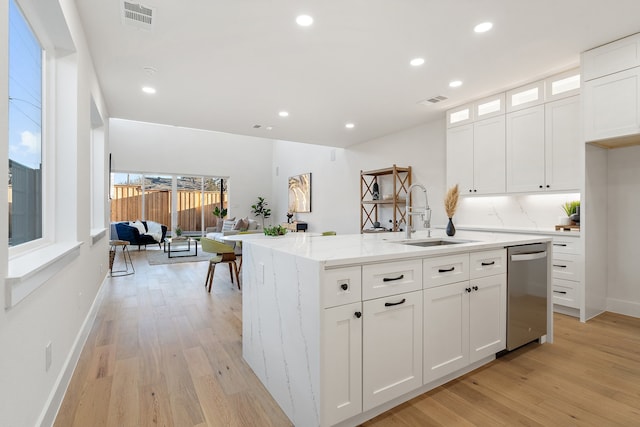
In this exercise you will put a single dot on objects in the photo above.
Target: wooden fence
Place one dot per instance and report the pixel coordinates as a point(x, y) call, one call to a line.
point(126, 205)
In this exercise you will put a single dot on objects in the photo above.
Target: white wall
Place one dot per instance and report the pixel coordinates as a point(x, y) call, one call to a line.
point(56, 311)
point(153, 148)
point(623, 189)
point(335, 192)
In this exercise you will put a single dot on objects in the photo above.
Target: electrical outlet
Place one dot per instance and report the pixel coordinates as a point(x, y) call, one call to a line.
point(47, 357)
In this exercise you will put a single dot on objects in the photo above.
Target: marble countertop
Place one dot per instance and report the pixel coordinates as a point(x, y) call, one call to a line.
point(349, 249)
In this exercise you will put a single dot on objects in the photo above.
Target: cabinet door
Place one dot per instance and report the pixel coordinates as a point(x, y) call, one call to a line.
point(487, 316)
point(446, 330)
point(460, 158)
point(613, 57)
point(392, 347)
point(525, 150)
point(562, 144)
point(489, 156)
point(342, 363)
point(612, 105)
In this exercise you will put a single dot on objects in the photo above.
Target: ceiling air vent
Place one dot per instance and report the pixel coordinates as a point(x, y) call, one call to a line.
point(137, 15)
point(433, 100)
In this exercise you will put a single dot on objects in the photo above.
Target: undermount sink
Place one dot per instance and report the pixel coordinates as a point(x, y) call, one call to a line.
point(432, 242)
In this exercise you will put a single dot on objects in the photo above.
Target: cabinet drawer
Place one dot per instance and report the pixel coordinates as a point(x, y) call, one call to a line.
point(447, 269)
point(381, 280)
point(487, 263)
point(566, 266)
point(341, 286)
point(566, 292)
point(566, 245)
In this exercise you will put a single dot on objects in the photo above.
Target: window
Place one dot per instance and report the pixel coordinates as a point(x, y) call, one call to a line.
point(25, 130)
point(187, 201)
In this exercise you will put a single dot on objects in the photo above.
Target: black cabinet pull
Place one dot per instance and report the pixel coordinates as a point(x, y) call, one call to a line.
point(446, 270)
point(467, 289)
point(357, 314)
point(344, 286)
point(391, 279)
point(390, 304)
point(560, 244)
point(560, 265)
point(470, 191)
point(488, 263)
point(541, 186)
point(475, 288)
point(559, 292)
point(548, 186)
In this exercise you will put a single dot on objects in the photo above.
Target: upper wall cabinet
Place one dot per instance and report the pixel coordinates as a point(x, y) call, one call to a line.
point(562, 85)
point(543, 143)
point(612, 93)
point(489, 107)
point(476, 156)
point(611, 58)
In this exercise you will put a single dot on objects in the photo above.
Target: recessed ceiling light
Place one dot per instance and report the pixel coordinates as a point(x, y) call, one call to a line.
point(269, 127)
point(149, 89)
point(483, 27)
point(283, 114)
point(304, 20)
point(349, 125)
point(416, 62)
point(455, 83)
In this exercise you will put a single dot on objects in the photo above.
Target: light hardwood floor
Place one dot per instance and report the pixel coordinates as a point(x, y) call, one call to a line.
point(164, 352)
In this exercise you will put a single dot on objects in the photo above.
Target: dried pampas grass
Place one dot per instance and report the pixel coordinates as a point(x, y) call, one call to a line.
point(451, 201)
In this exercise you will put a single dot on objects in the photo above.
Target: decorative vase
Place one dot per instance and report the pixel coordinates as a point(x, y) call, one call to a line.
point(376, 191)
point(451, 230)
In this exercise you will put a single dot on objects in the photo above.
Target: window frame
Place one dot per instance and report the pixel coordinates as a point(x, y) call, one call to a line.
point(46, 177)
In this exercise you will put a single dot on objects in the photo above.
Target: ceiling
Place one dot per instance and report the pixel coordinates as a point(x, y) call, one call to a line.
point(227, 65)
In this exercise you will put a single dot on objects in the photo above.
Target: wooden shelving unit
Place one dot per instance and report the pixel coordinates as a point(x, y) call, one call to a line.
point(370, 208)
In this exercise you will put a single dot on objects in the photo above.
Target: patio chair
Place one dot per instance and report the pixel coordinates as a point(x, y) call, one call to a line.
point(224, 254)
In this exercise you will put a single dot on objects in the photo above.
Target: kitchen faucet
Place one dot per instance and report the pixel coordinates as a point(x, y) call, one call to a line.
point(423, 212)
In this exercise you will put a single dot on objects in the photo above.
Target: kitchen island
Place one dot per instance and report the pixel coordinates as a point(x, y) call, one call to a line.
point(342, 328)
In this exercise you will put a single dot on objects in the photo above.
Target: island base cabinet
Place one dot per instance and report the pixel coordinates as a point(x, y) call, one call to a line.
point(342, 363)
point(464, 322)
point(487, 316)
point(391, 347)
point(446, 330)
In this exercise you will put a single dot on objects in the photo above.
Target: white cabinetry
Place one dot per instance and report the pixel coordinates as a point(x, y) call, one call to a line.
point(476, 156)
point(525, 150)
point(612, 92)
point(392, 347)
point(543, 145)
point(342, 362)
point(612, 105)
point(464, 321)
point(566, 274)
point(563, 170)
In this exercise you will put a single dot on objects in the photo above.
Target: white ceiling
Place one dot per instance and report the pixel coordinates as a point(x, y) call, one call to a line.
point(226, 65)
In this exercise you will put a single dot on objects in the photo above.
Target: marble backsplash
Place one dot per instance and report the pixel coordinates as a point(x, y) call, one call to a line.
point(538, 212)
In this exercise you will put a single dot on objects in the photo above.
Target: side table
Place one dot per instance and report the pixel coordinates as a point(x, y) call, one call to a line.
point(126, 256)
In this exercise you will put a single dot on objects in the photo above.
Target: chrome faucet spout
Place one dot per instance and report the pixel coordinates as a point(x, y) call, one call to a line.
point(425, 213)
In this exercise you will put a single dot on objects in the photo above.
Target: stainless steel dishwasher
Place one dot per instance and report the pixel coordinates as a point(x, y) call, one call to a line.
point(526, 294)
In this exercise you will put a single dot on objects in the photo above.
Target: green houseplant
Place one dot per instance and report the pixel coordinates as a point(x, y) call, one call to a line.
point(276, 230)
point(219, 213)
point(571, 207)
point(260, 209)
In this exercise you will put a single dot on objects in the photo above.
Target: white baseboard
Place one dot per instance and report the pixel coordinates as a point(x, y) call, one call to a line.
point(628, 308)
point(51, 408)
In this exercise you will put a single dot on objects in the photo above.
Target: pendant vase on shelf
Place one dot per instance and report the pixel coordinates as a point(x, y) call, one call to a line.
point(451, 230)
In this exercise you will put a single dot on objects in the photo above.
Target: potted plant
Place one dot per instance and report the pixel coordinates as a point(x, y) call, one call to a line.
point(276, 230)
point(569, 208)
point(219, 213)
point(260, 209)
point(178, 231)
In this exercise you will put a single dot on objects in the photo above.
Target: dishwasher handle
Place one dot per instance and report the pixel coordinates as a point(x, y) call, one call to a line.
point(529, 256)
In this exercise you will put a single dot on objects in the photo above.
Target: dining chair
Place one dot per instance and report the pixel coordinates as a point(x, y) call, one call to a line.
point(224, 254)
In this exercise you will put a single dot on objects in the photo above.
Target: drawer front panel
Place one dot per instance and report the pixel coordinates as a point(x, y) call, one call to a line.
point(381, 280)
point(447, 269)
point(565, 266)
point(566, 292)
point(487, 263)
point(341, 286)
point(566, 246)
